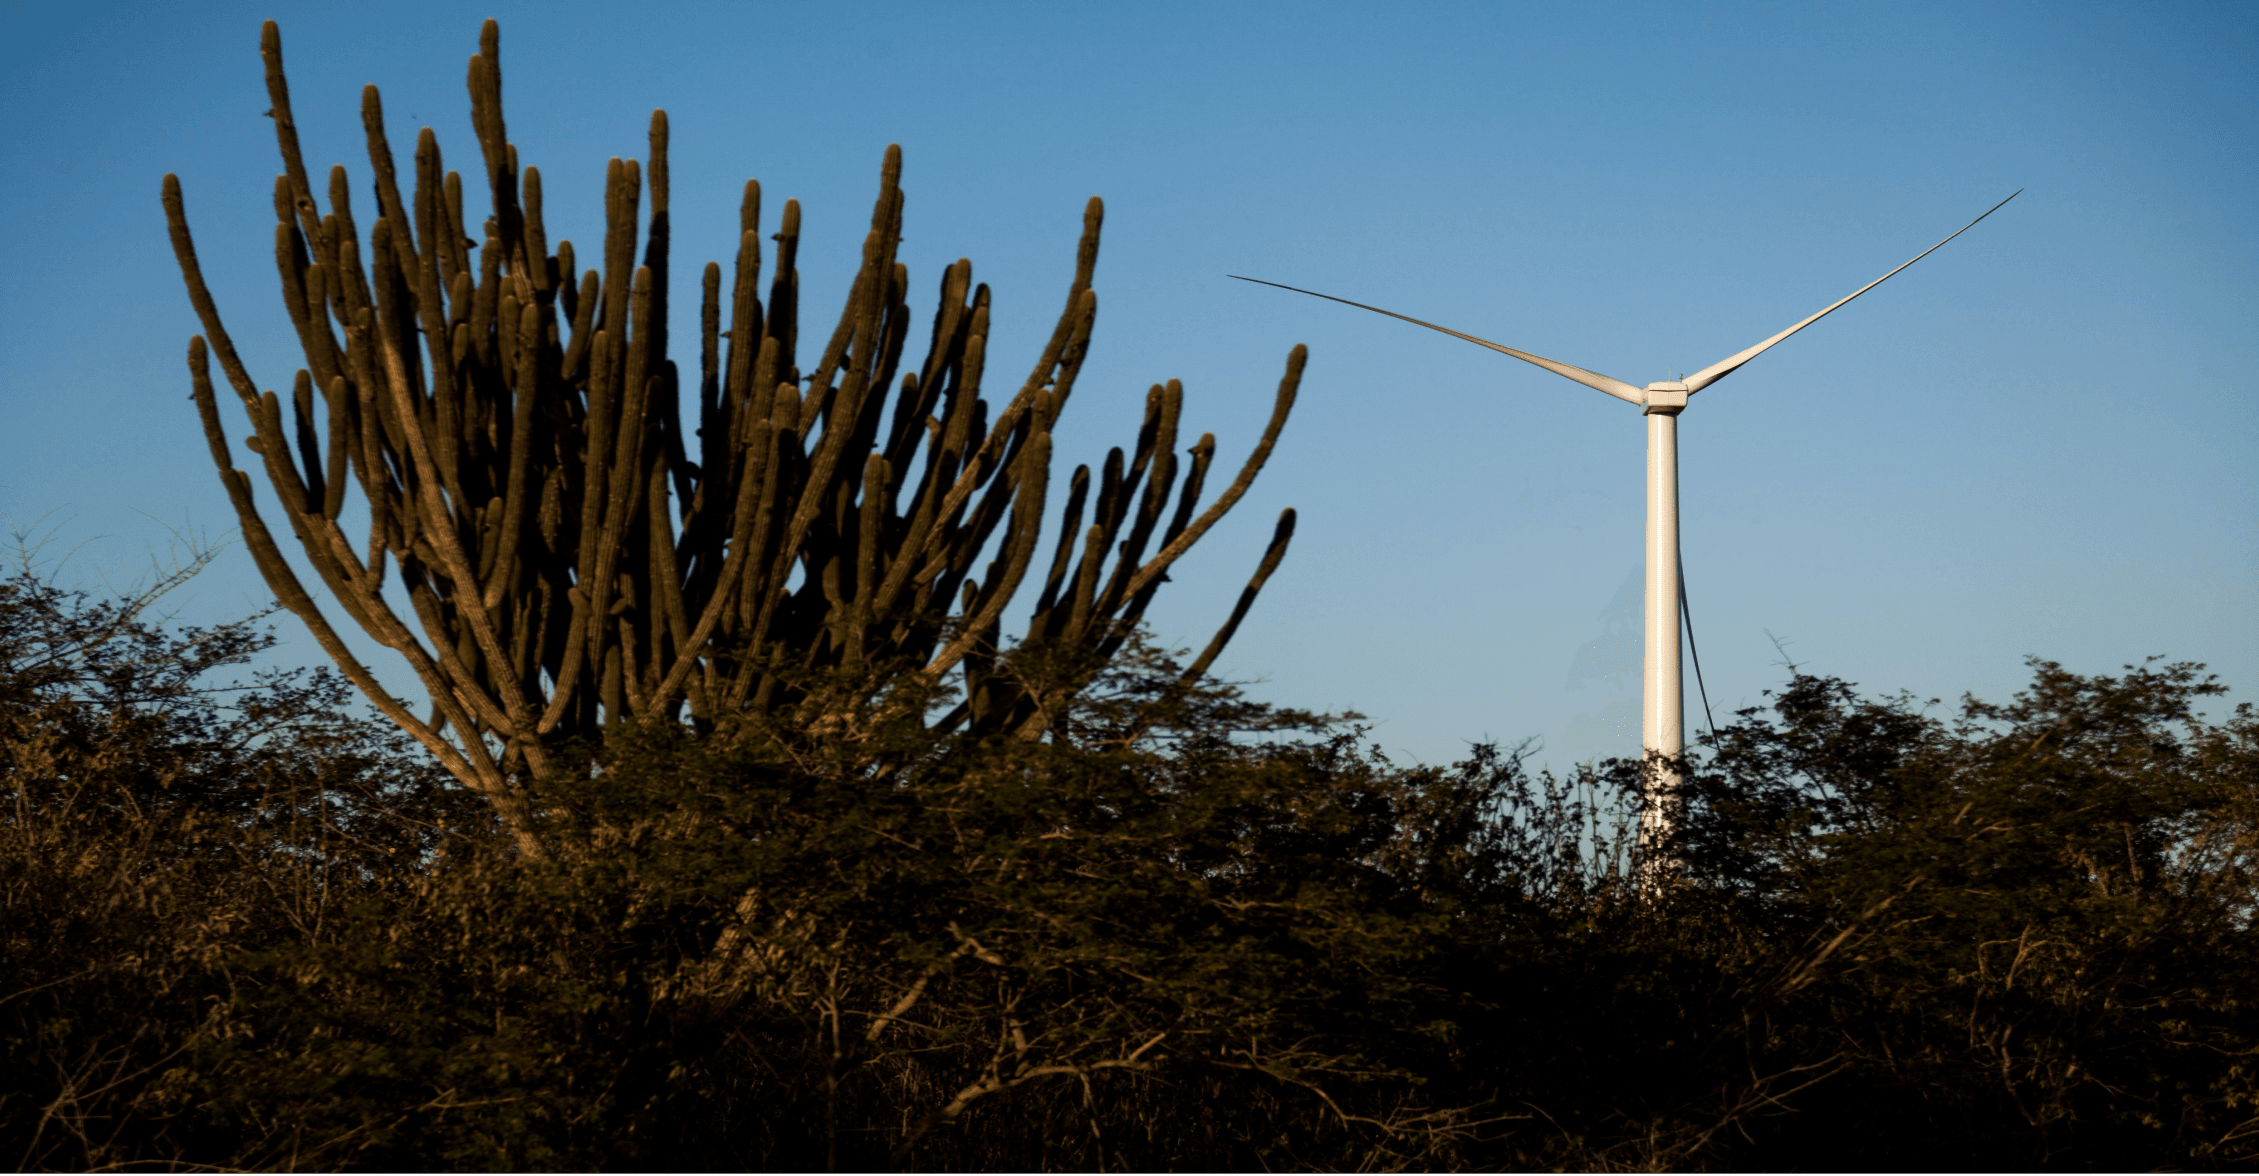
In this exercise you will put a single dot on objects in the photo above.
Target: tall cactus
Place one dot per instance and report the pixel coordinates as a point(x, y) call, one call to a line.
point(570, 562)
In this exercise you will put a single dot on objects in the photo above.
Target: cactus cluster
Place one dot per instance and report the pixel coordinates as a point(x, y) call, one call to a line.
point(576, 553)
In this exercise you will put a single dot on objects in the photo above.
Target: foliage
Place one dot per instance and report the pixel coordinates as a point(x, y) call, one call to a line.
point(2038, 913)
point(154, 825)
point(247, 929)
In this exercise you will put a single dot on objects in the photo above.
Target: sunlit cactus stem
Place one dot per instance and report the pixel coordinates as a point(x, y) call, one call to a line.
point(574, 555)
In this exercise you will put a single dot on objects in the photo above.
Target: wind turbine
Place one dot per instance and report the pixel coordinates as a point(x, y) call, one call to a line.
point(1662, 721)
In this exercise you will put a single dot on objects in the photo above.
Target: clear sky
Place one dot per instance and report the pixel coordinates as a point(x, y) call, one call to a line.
point(2041, 440)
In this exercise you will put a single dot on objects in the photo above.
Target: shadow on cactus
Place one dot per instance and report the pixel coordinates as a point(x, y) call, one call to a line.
point(576, 555)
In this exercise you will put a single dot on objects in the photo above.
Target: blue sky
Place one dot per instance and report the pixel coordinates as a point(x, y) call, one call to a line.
point(2040, 440)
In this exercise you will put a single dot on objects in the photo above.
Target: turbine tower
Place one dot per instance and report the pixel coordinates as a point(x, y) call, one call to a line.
point(1662, 720)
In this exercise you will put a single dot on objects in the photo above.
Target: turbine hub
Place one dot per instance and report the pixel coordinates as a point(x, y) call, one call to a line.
point(1666, 398)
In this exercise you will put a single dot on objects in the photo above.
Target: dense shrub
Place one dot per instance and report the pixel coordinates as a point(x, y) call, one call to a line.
point(156, 828)
point(246, 928)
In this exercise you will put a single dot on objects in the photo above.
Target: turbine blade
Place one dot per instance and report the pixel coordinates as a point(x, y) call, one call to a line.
point(1613, 387)
point(1717, 371)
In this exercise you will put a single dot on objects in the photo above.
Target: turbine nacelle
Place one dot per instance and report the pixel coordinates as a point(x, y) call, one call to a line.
point(1666, 398)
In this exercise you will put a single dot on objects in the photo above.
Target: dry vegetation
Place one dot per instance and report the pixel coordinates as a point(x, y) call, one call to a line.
point(247, 929)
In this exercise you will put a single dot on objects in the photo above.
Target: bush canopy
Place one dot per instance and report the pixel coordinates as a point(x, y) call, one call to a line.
point(251, 928)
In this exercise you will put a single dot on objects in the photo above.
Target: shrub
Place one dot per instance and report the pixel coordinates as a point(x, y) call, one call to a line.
point(246, 928)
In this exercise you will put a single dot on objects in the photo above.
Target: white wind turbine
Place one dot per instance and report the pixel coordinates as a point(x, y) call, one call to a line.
point(1662, 707)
